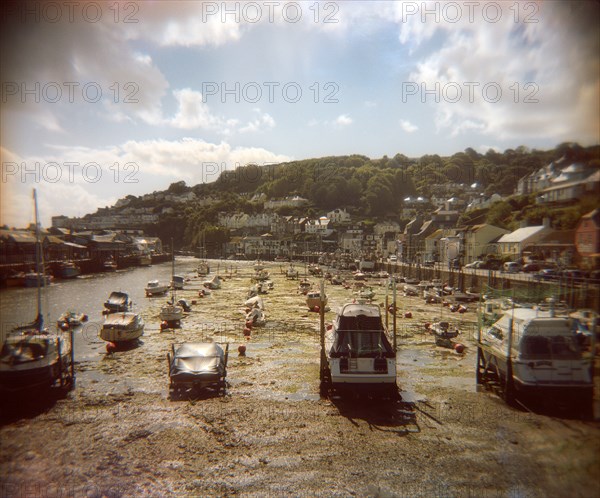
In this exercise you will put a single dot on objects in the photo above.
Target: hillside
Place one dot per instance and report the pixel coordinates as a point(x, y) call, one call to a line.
point(370, 189)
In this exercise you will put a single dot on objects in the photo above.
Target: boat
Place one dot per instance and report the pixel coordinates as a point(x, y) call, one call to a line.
point(109, 264)
point(359, 275)
point(144, 259)
point(358, 349)
point(529, 352)
point(212, 284)
point(304, 286)
point(366, 293)
point(203, 269)
point(313, 300)
point(443, 334)
point(291, 273)
point(155, 288)
point(260, 275)
point(122, 327)
point(71, 319)
point(258, 266)
point(34, 278)
point(315, 270)
point(67, 269)
point(117, 301)
point(33, 357)
point(411, 290)
point(177, 282)
point(172, 313)
point(256, 312)
point(197, 365)
point(15, 279)
point(337, 280)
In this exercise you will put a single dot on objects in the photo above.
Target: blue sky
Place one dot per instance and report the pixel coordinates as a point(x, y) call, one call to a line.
point(378, 78)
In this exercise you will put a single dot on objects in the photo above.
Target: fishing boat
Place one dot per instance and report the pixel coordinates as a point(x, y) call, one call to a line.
point(33, 357)
point(67, 269)
point(122, 327)
point(304, 286)
point(117, 302)
point(359, 351)
point(203, 269)
point(291, 273)
point(443, 334)
point(155, 288)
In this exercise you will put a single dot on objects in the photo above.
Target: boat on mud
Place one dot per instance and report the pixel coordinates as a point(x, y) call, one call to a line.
point(213, 283)
point(33, 357)
point(122, 327)
point(155, 288)
point(359, 351)
point(117, 302)
point(313, 300)
point(532, 352)
point(198, 365)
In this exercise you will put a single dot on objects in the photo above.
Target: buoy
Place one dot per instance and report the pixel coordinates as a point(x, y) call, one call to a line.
point(247, 331)
point(408, 314)
point(64, 326)
point(194, 301)
point(164, 325)
point(462, 309)
point(249, 324)
point(242, 349)
point(201, 293)
point(391, 309)
point(427, 326)
point(459, 348)
point(316, 308)
point(110, 347)
point(330, 326)
point(84, 318)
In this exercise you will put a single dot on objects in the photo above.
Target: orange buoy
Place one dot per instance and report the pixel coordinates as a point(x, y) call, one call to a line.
point(194, 301)
point(84, 318)
point(110, 347)
point(242, 349)
point(316, 308)
point(249, 324)
point(247, 331)
point(164, 325)
point(408, 314)
point(459, 348)
point(64, 326)
point(427, 325)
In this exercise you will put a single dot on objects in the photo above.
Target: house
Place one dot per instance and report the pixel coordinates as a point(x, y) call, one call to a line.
point(512, 245)
point(564, 189)
point(319, 227)
point(587, 239)
point(339, 216)
point(480, 240)
point(556, 245)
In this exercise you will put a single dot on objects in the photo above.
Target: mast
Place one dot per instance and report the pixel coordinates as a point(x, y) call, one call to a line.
point(39, 255)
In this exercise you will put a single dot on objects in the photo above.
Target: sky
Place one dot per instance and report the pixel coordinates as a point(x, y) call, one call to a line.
point(105, 99)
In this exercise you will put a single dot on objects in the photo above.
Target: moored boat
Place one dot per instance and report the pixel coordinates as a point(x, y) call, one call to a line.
point(155, 288)
point(122, 327)
point(68, 269)
point(117, 302)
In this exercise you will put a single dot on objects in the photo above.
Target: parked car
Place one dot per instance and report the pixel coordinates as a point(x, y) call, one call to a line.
point(490, 264)
point(474, 264)
point(393, 258)
point(429, 263)
point(532, 267)
point(546, 274)
point(511, 267)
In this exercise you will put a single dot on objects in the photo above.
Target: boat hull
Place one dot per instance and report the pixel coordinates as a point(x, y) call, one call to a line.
point(120, 335)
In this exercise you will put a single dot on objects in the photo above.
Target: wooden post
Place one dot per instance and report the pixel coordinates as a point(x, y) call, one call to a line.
point(595, 373)
point(394, 316)
point(387, 304)
point(323, 360)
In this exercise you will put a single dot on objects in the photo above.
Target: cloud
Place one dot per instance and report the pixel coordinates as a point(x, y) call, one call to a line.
point(343, 120)
point(546, 79)
point(264, 121)
point(407, 126)
point(192, 112)
point(77, 180)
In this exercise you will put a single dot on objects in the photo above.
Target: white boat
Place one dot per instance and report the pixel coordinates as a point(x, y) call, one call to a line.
point(256, 315)
point(260, 276)
point(155, 288)
point(122, 327)
point(213, 284)
point(529, 352)
point(171, 312)
point(304, 286)
point(33, 357)
point(32, 278)
point(291, 273)
point(359, 351)
point(258, 266)
point(117, 301)
point(313, 299)
point(366, 293)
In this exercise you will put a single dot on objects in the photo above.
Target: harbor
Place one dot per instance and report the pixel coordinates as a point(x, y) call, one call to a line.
point(121, 432)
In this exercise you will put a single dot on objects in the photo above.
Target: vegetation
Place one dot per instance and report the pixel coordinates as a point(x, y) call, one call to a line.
point(375, 189)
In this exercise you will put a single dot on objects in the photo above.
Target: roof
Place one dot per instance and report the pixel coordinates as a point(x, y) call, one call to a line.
point(356, 309)
point(19, 237)
point(521, 234)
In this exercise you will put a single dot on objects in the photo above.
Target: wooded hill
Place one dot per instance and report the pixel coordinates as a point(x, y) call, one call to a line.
point(374, 189)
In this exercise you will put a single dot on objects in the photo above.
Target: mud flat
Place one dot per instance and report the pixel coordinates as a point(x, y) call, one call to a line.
point(120, 434)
